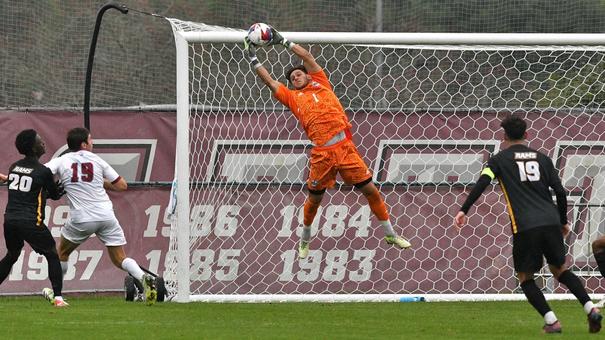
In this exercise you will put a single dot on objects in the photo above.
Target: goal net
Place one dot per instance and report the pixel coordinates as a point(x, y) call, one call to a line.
point(426, 110)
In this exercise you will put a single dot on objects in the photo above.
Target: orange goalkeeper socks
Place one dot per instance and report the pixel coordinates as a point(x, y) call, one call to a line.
point(310, 211)
point(377, 206)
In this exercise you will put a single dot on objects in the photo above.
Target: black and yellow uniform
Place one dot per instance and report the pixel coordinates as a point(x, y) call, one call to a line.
point(29, 184)
point(526, 177)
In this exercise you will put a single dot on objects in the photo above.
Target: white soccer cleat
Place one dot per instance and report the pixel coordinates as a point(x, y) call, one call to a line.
point(303, 249)
point(48, 295)
point(398, 241)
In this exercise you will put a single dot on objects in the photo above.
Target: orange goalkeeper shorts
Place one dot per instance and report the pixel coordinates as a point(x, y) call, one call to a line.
point(341, 158)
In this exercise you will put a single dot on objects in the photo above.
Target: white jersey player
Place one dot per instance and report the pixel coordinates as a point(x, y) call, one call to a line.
point(85, 177)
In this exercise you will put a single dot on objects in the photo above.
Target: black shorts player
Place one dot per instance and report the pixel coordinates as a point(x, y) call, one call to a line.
point(529, 248)
point(526, 178)
point(29, 184)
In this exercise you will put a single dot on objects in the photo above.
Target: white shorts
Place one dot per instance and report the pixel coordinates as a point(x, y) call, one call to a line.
point(109, 232)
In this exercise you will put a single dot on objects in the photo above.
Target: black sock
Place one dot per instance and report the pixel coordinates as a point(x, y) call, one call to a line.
point(55, 273)
point(535, 297)
point(6, 264)
point(574, 285)
point(600, 257)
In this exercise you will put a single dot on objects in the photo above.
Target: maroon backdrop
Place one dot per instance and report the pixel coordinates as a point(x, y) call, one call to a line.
point(253, 256)
point(140, 210)
point(249, 245)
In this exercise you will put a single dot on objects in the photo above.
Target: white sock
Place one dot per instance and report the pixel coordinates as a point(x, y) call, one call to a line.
point(306, 234)
point(588, 306)
point(550, 318)
point(133, 268)
point(64, 267)
point(387, 228)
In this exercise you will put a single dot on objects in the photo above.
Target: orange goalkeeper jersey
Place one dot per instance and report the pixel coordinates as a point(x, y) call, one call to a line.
point(316, 107)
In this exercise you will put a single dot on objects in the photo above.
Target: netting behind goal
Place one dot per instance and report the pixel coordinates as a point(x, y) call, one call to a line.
point(426, 119)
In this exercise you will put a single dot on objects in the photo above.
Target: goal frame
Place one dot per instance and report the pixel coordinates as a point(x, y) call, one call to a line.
point(182, 41)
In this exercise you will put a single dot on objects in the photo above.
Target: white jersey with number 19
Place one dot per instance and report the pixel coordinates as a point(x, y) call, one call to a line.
point(82, 174)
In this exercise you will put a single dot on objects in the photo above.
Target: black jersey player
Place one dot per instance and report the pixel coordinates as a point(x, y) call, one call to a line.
point(538, 225)
point(29, 184)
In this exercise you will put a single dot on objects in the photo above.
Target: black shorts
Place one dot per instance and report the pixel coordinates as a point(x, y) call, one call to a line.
point(529, 247)
point(38, 237)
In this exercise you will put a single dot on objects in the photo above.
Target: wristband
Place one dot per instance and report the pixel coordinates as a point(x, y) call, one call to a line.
point(254, 62)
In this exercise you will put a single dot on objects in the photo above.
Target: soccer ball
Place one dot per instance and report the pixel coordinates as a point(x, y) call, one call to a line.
point(260, 34)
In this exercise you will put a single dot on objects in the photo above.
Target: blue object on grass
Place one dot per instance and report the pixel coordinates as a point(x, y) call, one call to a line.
point(411, 299)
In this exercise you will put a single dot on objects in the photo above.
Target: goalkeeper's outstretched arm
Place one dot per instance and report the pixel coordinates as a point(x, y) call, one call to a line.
point(266, 77)
point(309, 61)
point(260, 70)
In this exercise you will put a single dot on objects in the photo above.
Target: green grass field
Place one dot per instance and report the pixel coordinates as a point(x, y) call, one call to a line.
point(113, 318)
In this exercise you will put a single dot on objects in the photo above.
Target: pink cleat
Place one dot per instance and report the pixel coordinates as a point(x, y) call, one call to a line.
point(594, 320)
point(60, 303)
point(552, 328)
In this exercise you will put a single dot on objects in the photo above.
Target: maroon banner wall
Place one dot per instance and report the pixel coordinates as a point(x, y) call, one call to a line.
point(147, 140)
point(259, 258)
point(239, 254)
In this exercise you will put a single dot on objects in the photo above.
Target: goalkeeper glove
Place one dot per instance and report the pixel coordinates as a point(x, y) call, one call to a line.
point(279, 39)
point(250, 50)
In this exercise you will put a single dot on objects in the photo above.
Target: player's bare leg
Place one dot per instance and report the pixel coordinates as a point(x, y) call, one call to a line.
point(379, 209)
point(119, 259)
point(55, 274)
point(66, 247)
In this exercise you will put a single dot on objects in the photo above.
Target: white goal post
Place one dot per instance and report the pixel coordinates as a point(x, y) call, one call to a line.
point(425, 109)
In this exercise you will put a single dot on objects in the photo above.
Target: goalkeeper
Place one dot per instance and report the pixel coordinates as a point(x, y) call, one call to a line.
point(314, 104)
